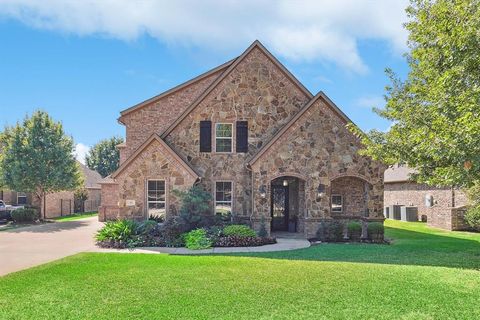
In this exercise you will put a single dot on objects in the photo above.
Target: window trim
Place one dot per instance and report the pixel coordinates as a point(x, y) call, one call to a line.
point(215, 195)
point(341, 203)
point(147, 202)
point(232, 150)
point(22, 195)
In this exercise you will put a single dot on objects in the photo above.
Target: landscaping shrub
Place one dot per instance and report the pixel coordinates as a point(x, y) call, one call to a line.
point(195, 211)
point(375, 231)
point(236, 241)
point(118, 234)
point(239, 230)
point(354, 230)
point(24, 215)
point(197, 239)
point(172, 230)
point(146, 227)
point(331, 231)
point(472, 217)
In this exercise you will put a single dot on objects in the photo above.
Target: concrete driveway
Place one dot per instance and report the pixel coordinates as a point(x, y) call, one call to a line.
point(30, 246)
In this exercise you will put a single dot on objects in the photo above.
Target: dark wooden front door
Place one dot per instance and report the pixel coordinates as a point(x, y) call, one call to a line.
point(279, 208)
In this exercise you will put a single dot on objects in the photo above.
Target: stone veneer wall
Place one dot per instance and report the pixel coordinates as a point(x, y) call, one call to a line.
point(445, 213)
point(256, 91)
point(158, 115)
point(153, 163)
point(318, 148)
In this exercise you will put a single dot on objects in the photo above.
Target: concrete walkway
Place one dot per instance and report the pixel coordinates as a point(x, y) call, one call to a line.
point(281, 245)
point(30, 246)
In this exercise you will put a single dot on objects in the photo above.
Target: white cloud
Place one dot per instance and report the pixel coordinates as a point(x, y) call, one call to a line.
point(308, 30)
point(81, 151)
point(370, 102)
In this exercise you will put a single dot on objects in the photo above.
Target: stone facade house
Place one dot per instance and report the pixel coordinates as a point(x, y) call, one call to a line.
point(60, 203)
point(440, 207)
point(255, 138)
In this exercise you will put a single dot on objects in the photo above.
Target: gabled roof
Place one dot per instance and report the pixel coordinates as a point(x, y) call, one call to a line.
point(292, 121)
point(255, 44)
point(177, 88)
point(171, 152)
point(398, 173)
point(92, 178)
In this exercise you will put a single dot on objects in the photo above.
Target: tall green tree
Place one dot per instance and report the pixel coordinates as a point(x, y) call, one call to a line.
point(104, 156)
point(37, 157)
point(436, 110)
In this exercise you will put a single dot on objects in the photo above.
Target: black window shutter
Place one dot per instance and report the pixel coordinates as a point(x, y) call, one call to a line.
point(242, 136)
point(205, 136)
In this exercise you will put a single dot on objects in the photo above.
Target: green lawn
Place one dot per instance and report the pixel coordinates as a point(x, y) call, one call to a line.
point(76, 216)
point(425, 274)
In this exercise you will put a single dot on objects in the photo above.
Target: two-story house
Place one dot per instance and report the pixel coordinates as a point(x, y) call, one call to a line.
point(251, 134)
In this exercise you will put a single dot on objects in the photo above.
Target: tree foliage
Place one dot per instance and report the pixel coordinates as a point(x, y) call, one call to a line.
point(436, 110)
point(104, 156)
point(37, 157)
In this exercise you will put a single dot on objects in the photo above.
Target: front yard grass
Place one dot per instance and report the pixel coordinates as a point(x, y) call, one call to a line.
point(76, 216)
point(424, 274)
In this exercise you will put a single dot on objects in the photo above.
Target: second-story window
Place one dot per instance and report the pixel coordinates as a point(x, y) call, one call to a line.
point(223, 137)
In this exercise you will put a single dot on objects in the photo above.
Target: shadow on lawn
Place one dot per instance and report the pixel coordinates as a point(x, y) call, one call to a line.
point(408, 248)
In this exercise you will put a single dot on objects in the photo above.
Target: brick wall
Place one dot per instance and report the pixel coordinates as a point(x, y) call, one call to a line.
point(446, 212)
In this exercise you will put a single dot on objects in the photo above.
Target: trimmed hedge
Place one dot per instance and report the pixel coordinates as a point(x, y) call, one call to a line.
point(238, 241)
point(24, 215)
point(239, 230)
point(197, 239)
point(354, 230)
point(375, 231)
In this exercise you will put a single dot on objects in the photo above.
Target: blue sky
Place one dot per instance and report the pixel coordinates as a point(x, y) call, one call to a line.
point(84, 62)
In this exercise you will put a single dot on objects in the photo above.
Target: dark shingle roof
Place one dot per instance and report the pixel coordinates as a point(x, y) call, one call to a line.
point(92, 178)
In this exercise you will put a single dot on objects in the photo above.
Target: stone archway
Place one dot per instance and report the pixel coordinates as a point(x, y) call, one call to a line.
point(349, 196)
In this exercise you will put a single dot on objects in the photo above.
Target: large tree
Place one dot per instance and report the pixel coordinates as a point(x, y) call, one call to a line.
point(104, 156)
point(436, 110)
point(37, 157)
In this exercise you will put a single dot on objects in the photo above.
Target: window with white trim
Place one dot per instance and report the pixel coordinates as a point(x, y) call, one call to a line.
point(223, 197)
point(156, 202)
point(21, 198)
point(337, 203)
point(223, 137)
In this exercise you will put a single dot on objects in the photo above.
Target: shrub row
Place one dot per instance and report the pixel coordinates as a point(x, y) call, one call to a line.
point(173, 233)
point(333, 231)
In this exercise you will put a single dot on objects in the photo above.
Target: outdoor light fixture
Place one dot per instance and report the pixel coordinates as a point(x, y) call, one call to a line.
point(263, 192)
point(285, 183)
point(321, 190)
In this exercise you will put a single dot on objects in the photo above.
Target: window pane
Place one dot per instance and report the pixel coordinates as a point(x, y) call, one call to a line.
point(156, 209)
point(223, 197)
point(223, 145)
point(223, 130)
point(223, 208)
point(337, 203)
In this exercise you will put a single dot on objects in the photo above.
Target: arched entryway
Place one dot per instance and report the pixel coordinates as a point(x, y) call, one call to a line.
point(349, 196)
point(287, 204)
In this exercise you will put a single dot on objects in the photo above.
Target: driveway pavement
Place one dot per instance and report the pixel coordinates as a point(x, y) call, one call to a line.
point(30, 246)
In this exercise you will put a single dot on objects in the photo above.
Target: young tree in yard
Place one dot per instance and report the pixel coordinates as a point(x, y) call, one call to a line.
point(104, 157)
point(37, 157)
point(80, 196)
point(436, 110)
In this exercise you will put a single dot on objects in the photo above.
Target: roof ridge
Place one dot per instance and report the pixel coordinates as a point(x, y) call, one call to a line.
point(177, 87)
point(294, 119)
point(144, 145)
point(232, 66)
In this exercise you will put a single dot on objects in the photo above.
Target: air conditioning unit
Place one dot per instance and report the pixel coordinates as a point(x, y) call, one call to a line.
point(409, 213)
point(394, 212)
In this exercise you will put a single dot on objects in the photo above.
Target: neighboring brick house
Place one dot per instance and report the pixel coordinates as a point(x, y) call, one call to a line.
point(441, 207)
point(62, 202)
point(251, 134)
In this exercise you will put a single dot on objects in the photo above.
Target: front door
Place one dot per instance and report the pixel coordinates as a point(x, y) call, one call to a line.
point(279, 208)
